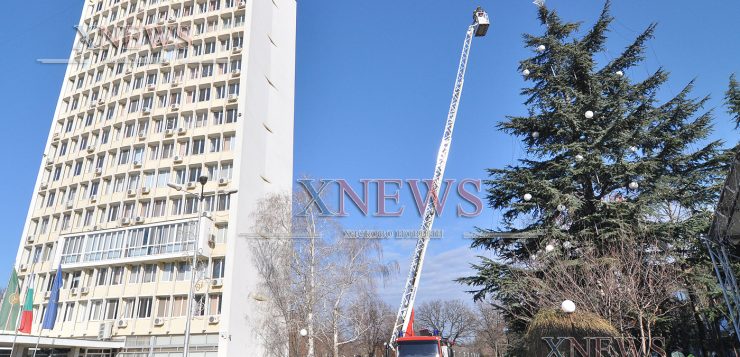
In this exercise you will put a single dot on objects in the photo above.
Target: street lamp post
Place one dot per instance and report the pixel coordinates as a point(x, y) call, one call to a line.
point(203, 179)
point(201, 211)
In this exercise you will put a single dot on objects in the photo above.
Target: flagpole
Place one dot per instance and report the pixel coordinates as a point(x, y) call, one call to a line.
point(38, 339)
point(15, 334)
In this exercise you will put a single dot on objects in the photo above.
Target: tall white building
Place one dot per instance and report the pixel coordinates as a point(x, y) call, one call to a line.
point(158, 92)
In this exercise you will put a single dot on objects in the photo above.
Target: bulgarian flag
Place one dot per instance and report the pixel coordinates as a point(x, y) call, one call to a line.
point(27, 314)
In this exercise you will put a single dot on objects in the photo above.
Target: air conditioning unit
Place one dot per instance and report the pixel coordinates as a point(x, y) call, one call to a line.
point(84, 290)
point(236, 49)
point(146, 111)
point(182, 131)
point(213, 319)
point(223, 181)
point(105, 330)
point(93, 199)
point(49, 161)
point(55, 136)
point(129, 71)
point(145, 190)
point(137, 163)
point(169, 132)
point(44, 185)
point(172, 19)
point(177, 158)
point(175, 83)
point(93, 104)
point(158, 321)
point(122, 323)
point(175, 107)
point(151, 87)
point(30, 239)
point(190, 185)
point(165, 62)
point(217, 283)
point(242, 4)
point(98, 171)
point(233, 97)
point(125, 221)
point(142, 135)
point(131, 192)
point(91, 148)
point(101, 101)
point(24, 267)
point(161, 22)
point(47, 294)
point(139, 220)
point(70, 204)
point(236, 72)
point(73, 291)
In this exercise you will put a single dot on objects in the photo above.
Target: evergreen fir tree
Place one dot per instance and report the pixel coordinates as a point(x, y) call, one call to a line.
point(732, 99)
point(605, 158)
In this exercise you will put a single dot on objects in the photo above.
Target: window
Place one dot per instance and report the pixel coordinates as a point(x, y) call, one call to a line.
point(224, 202)
point(221, 233)
point(81, 312)
point(159, 206)
point(198, 146)
point(128, 308)
point(183, 271)
point(228, 142)
point(162, 305)
point(214, 304)
point(116, 276)
point(111, 309)
point(167, 271)
point(145, 308)
point(102, 276)
point(199, 305)
point(96, 310)
point(215, 144)
point(68, 312)
point(218, 268)
point(134, 277)
point(179, 306)
point(150, 273)
point(75, 280)
point(163, 177)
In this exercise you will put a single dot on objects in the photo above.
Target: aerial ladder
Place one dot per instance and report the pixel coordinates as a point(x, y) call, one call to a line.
point(402, 339)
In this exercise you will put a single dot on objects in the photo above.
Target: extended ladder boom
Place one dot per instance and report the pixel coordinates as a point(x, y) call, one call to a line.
point(403, 318)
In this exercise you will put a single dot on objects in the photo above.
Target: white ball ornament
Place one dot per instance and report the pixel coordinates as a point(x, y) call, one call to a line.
point(588, 114)
point(633, 148)
point(525, 72)
point(541, 48)
point(634, 185)
point(568, 307)
point(567, 244)
point(561, 207)
point(579, 157)
point(549, 248)
point(536, 134)
point(620, 73)
point(303, 332)
point(527, 197)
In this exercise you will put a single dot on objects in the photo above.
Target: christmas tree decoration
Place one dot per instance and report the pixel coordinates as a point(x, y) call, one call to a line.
point(549, 248)
point(525, 72)
point(634, 185)
point(541, 48)
point(561, 207)
point(567, 244)
point(568, 307)
point(535, 134)
point(579, 157)
point(527, 197)
point(619, 73)
point(633, 148)
point(588, 114)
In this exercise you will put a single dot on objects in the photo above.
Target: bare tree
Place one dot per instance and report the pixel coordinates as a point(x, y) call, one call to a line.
point(454, 319)
point(631, 285)
point(376, 317)
point(490, 333)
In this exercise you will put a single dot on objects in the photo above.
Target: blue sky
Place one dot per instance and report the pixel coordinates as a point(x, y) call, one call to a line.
point(373, 86)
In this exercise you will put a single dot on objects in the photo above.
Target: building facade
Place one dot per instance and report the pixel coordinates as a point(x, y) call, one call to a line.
point(161, 92)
